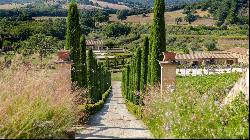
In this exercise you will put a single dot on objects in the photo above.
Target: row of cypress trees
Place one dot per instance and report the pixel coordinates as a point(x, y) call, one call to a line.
point(145, 68)
point(98, 77)
point(85, 73)
point(134, 76)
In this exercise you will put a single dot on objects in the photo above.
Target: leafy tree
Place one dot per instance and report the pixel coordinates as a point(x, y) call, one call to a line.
point(177, 20)
point(210, 45)
point(222, 12)
point(6, 43)
point(228, 11)
point(88, 22)
point(157, 41)
point(39, 43)
point(116, 29)
point(232, 14)
point(186, 51)
point(122, 14)
point(102, 18)
point(59, 28)
point(190, 18)
point(187, 10)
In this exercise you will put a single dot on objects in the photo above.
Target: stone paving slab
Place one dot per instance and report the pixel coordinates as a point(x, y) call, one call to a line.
point(114, 121)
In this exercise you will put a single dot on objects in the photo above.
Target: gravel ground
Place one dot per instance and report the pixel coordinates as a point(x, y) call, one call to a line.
point(114, 121)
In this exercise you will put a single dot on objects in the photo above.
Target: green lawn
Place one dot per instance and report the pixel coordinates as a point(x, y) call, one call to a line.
point(116, 76)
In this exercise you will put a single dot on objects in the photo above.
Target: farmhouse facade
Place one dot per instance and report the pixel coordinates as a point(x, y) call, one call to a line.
point(229, 57)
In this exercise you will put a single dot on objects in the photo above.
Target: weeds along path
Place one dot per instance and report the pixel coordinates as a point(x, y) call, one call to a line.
point(114, 120)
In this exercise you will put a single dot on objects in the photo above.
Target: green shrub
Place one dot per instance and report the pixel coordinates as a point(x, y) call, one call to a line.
point(90, 109)
point(135, 109)
point(116, 29)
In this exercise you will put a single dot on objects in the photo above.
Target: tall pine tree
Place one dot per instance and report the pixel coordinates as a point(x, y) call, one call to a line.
point(157, 41)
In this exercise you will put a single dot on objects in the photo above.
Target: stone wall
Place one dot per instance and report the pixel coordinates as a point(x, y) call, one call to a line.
point(241, 86)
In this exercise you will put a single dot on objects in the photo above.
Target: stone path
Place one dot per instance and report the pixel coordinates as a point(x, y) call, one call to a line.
point(114, 121)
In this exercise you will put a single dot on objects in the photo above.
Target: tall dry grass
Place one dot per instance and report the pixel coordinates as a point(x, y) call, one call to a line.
point(36, 103)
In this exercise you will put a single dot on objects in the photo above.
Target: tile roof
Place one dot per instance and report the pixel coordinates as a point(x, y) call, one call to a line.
point(94, 42)
point(204, 56)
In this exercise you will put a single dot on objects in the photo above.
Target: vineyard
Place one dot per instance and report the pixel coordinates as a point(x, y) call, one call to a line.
point(194, 109)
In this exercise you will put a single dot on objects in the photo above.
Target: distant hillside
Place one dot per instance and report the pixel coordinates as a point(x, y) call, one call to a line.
point(130, 3)
point(150, 3)
point(16, 1)
point(226, 11)
point(170, 18)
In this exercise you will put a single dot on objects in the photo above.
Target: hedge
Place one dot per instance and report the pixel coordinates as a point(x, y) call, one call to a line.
point(137, 110)
point(91, 109)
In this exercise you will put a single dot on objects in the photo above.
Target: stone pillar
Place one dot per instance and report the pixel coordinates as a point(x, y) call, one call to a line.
point(168, 72)
point(168, 76)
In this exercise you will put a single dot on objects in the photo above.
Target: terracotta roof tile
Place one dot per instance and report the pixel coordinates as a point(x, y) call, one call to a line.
point(203, 56)
point(94, 42)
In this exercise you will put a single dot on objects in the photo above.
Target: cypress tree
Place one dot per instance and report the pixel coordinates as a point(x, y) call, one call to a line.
point(102, 76)
point(106, 83)
point(90, 73)
point(99, 80)
point(109, 77)
point(130, 82)
point(127, 81)
point(83, 61)
point(133, 79)
point(138, 75)
point(157, 40)
point(144, 63)
point(94, 79)
point(138, 69)
point(149, 66)
point(123, 80)
point(73, 40)
point(1, 43)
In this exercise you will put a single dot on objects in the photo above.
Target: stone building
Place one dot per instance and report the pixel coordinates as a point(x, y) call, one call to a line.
point(206, 58)
point(233, 56)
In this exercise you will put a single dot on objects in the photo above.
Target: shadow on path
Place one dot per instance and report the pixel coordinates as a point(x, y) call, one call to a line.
point(114, 121)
